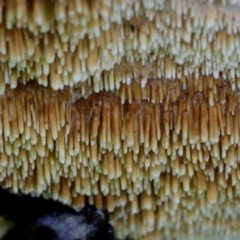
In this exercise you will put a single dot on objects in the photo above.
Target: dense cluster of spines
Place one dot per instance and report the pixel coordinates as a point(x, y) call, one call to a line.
point(138, 150)
point(145, 121)
point(78, 42)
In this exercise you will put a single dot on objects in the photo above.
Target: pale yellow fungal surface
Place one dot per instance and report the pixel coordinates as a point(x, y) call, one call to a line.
point(133, 106)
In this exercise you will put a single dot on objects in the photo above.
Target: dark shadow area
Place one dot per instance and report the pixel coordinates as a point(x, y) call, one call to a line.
point(38, 219)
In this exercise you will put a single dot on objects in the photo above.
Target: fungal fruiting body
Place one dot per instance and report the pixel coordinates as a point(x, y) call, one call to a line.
point(132, 104)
